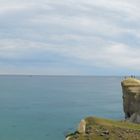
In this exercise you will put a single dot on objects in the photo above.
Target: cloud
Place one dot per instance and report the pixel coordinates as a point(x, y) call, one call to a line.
point(112, 55)
point(56, 34)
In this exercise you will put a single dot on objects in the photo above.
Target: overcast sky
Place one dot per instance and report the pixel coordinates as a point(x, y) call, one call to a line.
point(70, 37)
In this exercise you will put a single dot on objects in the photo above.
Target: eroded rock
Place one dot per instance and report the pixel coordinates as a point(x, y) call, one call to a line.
point(82, 126)
point(131, 99)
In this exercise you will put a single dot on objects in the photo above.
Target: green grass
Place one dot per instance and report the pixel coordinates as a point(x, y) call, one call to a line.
point(114, 123)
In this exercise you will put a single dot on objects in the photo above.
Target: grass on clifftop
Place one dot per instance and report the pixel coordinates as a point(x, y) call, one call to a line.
point(105, 129)
point(108, 122)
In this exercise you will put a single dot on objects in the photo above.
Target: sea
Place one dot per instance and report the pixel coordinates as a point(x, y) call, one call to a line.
point(49, 107)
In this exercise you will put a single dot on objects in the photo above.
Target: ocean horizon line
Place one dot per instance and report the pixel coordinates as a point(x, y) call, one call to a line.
point(68, 75)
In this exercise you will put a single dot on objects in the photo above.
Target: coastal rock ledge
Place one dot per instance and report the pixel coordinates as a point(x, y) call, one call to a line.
point(131, 99)
point(93, 128)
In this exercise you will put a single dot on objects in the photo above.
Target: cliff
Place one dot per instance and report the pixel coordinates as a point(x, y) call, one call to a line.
point(93, 128)
point(131, 99)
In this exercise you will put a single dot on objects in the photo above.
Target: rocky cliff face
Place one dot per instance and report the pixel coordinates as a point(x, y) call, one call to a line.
point(131, 99)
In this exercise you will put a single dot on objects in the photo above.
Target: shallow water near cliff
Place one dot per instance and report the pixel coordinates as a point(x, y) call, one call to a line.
point(48, 107)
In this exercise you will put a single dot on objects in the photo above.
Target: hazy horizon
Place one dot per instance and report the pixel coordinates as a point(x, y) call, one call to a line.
point(30, 75)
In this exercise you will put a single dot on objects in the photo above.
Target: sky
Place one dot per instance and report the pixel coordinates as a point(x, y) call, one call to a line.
point(70, 37)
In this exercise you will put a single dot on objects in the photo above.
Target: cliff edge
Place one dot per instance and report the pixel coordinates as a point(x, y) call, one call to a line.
point(93, 128)
point(131, 99)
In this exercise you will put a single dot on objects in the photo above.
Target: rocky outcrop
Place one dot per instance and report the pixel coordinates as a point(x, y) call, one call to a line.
point(82, 126)
point(131, 99)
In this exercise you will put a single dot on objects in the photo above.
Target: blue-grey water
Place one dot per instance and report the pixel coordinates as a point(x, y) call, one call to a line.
point(49, 107)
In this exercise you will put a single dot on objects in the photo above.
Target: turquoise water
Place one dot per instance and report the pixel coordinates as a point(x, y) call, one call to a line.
point(48, 107)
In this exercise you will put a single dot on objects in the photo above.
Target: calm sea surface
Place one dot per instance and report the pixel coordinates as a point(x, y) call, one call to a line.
point(48, 107)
